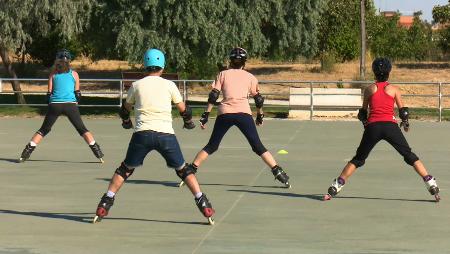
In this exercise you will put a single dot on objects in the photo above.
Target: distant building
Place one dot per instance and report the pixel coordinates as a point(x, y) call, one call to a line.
point(404, 21)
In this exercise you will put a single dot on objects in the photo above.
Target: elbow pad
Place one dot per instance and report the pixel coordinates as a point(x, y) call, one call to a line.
point(213, 96)
point(404, 113)
point(259, 100)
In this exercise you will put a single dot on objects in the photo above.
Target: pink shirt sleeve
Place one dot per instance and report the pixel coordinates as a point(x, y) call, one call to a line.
point(217, 84)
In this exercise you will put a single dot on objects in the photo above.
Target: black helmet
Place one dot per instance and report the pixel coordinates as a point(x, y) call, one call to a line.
point(381, 67)
point(63, 54)
point(238, 54)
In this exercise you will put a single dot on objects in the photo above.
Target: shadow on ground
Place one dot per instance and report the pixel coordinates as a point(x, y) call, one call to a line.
point(320, 196)
point(175, 184)
point(87, 217)
point(424, 65)
point(17, 161)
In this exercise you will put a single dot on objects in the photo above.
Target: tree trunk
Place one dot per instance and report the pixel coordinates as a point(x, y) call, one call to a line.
point(10, 70)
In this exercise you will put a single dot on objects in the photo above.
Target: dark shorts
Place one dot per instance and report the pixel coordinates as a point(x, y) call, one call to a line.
point(143, 142)
point(245, 124)
point(68, 109)
point(389, 132)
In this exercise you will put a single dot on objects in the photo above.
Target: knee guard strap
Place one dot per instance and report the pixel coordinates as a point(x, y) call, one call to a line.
point(124, 171)
point(410, 158)
point(357, 163)
point(188, 169)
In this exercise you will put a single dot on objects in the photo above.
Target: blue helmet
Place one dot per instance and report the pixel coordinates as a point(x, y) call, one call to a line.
point(154, 58)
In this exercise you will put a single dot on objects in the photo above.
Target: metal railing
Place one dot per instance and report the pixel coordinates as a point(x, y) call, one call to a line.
point(184, 86)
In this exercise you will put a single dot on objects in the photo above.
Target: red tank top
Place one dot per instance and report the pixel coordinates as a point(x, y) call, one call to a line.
point(381, 105)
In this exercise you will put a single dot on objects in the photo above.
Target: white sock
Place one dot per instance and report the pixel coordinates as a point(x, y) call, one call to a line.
point(198, 195)
point(32, 143)
point(92, 142)
point(110, 194)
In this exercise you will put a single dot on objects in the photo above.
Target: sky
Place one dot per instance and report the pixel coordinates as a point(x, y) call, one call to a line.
point(408, 7)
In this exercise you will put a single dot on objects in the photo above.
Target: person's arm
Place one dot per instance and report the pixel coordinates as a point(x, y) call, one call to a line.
point(402, 110)
point(213, 96)
point(363, 114)
point(186, 114)
point(77, 86)
point(127, 107)
point(49, 88)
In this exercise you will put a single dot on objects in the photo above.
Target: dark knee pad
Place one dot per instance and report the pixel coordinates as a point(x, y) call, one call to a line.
point(44, 131)
point(410, 158)
point(357, 163)
point(124, 171)
point(259, 149)
point(187, 170)
point(209, 149)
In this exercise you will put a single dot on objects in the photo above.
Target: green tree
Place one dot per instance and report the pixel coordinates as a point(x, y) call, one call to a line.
point(340, 27)
point(23, 20)
point(441, 15)
point(196, 35)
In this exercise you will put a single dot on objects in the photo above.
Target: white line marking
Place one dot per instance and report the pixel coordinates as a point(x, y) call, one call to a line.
point(238, 199)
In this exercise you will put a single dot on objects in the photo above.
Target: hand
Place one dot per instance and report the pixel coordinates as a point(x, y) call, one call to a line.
point(405, 125)
point(204, 119)
point(127, 124)
point(78, 95)
point(189, 124)
point(259, 119)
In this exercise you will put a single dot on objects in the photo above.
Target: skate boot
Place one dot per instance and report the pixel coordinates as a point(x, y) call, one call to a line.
point(97, 151)
point(193, 168)
point(26, 153)
point(335, 188)
point(205, 208)
point(281, 176)
point(430, 183)
point(103, 208)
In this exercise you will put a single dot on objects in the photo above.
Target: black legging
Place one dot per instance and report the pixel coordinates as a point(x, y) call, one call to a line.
point(388, 131)
point(245, 124)
point(57, 109)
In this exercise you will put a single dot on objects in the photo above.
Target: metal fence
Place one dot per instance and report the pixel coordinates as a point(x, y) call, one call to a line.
point(274, 97)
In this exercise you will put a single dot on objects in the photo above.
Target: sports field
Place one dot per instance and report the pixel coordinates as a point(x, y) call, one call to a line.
point(48, 202)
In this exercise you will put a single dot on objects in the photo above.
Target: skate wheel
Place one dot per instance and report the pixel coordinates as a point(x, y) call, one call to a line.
point(181, 184)
point(96, 219)
point(437, 197)
point(101, 160)
point(288, 185)
point(21, 160)
point(210, 221)
point(326, 197)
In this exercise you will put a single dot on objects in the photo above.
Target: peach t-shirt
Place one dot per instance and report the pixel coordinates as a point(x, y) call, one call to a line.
point(235, 86)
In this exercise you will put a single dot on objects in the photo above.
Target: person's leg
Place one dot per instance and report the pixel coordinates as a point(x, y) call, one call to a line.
point(169, 148)
point(140, 145)
point(49, 120)
point(395, 137)
point(221, 126)
point(247, 126)
point(371, 136)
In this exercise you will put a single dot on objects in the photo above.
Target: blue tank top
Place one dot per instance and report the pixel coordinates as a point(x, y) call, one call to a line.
point(63, 88)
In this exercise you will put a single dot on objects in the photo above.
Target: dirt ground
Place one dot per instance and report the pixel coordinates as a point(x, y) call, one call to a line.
point(269, 71)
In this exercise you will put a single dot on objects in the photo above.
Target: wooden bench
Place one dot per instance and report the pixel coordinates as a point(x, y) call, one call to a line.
point(326, 102)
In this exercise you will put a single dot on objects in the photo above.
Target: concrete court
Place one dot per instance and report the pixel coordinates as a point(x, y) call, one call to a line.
point(47, 203)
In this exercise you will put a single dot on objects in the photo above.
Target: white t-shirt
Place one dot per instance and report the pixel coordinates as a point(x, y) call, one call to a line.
point(152, 98)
